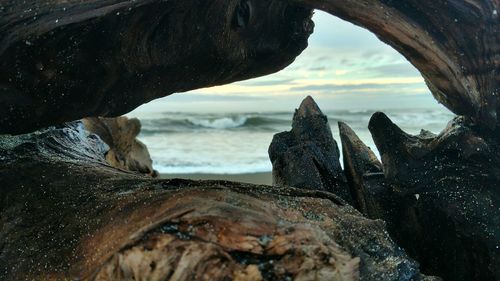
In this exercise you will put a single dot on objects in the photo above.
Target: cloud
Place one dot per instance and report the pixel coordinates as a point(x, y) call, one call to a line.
point(365, 87)
point(264, 82)
point(393, 70)
point(317, 68)
point(201, 96)
point(322, 58)
point(347, 62)
point(371, 54)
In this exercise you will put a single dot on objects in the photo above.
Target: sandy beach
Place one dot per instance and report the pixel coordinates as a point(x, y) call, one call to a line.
point(255, 178)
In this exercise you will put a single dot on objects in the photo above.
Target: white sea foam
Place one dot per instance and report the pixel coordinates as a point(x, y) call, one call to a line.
point(219, 123)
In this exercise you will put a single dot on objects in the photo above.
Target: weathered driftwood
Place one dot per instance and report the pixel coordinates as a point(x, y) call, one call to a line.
point(64, 60)
point(308, 156)
point(125, 150)
point(439, 195)
point(66, 214)
point(455, 44)
point(447, 195)
point(371, 195)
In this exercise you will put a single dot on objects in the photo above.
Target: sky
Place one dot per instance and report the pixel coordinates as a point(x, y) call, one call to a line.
point(344, 67)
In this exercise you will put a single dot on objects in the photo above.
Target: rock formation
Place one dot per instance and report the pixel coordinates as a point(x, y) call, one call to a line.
point(125, 150)
point(308, 156)
point(65, 60)
point(66, 214)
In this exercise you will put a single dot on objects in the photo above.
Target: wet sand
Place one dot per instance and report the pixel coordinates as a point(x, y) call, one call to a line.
point(255, 178)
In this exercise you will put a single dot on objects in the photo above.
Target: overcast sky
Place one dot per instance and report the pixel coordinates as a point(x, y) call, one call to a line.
point(344, 66)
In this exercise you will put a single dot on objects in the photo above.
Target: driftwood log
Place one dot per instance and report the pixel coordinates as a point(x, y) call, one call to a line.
point(64, 60)
point(66, 214)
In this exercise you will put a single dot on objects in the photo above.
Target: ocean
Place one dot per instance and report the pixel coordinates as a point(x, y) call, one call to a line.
point(235, 143)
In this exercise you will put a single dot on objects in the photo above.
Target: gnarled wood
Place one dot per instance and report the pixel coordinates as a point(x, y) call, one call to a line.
point(65, 214)
point(455, 44)
point(370, 192)
point(89, 58)
point(439, 194)
point(308, 156)
point(446, 196)
point(64, 60)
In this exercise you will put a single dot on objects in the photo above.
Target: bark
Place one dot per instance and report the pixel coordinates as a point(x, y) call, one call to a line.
point(66, 214)
point(455, 44)
point(64, 60)
point(308, 156)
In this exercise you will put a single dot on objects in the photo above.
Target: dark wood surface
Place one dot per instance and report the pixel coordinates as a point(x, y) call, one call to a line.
point(66, 214)
point(64, 60)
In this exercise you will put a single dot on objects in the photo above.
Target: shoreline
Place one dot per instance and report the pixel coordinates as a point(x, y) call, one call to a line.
point(264, 178)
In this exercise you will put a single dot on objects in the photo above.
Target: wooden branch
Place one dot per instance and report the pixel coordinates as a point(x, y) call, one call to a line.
point(65, 214)
point(64, 60)
point(455, 44)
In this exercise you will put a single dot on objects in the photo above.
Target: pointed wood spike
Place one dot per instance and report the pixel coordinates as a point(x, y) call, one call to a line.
point(308, 155)
point(308, 108)
point(364, 175)
point(392, 143)
point(352, 145)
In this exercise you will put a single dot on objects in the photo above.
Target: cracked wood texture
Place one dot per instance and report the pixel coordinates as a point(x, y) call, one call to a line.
point(455, 44)
point(65, 215)
point(64, 60)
